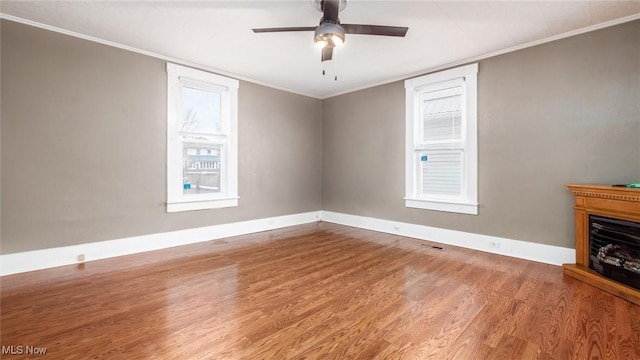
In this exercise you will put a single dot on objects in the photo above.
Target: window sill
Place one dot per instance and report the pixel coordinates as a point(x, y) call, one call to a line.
point(455, 207)
point(178, 206)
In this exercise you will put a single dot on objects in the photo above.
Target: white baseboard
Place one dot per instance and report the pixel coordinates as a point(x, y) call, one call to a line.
point(548, 254)
point(67, 255)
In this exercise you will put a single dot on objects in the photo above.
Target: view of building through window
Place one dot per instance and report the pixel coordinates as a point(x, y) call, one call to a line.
point(201, 167)
point(202, 140)
point(200, 132)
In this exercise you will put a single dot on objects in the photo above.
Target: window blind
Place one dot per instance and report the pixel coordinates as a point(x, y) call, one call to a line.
point(440, 151)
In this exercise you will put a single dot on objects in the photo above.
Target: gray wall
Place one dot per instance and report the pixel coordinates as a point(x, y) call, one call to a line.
point(83, 142)
point(566, 111)
point(84, 145)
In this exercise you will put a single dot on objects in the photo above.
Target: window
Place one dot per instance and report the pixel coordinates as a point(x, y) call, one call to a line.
point(441, 141)
point(202, 140)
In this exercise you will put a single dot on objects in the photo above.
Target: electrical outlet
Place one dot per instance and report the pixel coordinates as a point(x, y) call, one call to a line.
point(81, 257)
point(494, 244)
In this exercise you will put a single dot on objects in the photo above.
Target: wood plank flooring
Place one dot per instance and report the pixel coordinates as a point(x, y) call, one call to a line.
point(318, 291)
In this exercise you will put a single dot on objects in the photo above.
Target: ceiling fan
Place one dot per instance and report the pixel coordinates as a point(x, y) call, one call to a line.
point(331, 33)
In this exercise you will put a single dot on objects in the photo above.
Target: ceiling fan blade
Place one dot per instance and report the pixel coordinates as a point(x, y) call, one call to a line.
point(327, 53)
point(283, 29)
point(330, 9)
point(381, 30)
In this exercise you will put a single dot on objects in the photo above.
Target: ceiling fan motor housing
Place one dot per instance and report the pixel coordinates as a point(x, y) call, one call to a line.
point(319, 5)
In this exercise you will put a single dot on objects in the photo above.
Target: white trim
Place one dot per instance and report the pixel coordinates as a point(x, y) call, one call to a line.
point(53, 257)
point(448, 77)
point(547, 254)
point(467, 76)
point(462, 208)
point(201, 205)
point(228, 90)
point(203, 77)
point(60, 256)
point(321, 97)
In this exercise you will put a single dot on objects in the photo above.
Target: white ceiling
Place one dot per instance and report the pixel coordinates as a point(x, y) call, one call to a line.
point(217, 34)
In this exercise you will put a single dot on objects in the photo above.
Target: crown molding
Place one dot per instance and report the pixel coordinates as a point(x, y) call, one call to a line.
point(584, 30)
point(330, 95)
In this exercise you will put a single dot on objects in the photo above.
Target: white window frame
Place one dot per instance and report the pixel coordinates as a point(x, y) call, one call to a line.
point(177, 77)
point(468, 202)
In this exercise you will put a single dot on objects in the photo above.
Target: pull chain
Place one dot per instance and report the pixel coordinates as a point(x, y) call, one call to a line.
point(335, 64)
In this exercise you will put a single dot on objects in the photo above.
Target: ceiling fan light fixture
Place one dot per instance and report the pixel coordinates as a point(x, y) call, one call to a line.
point(329, 34)
point(321, 43)
point(337, 40)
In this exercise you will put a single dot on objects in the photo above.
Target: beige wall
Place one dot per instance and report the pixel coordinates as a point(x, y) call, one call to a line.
point(84, 145)
point(566, 111)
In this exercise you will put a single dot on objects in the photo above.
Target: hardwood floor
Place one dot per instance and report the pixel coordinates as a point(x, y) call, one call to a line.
point(314, 292)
